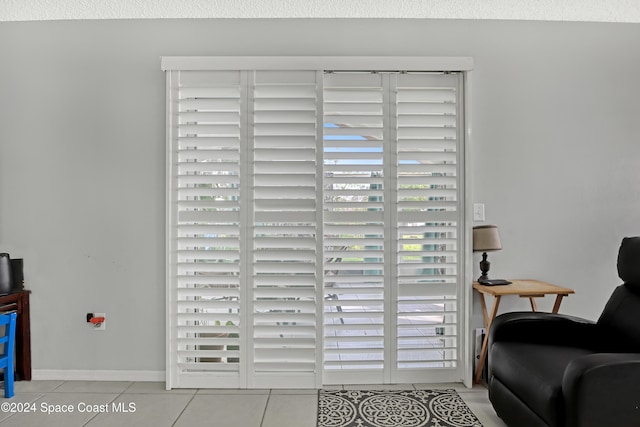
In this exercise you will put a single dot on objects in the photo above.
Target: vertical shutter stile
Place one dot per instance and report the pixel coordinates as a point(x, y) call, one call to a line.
point(319, 229)
point(246, 234)
point(391, 218)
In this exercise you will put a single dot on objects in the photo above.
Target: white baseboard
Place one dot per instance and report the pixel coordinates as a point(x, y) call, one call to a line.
point(78, 375)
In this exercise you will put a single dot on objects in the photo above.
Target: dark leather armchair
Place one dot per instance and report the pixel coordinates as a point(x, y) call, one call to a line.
point(555, 370)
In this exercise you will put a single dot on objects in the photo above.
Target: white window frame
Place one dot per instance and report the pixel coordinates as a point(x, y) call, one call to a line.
point(377, 63)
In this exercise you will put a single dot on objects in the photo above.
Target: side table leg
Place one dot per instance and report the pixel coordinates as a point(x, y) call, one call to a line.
point(485, 314)
point(556, 306)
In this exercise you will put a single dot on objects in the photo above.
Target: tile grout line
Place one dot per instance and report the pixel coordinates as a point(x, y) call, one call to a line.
point(41, 395)
point(266, 405)
point(185, 407)
point(55, 388)
point(111, 402)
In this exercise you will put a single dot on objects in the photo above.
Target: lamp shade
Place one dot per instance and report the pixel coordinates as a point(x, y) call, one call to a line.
point(486, 238)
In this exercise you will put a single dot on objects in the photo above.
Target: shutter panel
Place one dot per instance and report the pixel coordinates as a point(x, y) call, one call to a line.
point(284, 224)
point(205, 192)
point(354, 144)
point(427, 215)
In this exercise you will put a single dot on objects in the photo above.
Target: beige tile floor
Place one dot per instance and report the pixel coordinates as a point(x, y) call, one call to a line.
point(101, 403)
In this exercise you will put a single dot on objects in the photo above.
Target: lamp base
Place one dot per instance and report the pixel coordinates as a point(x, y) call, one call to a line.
point(485, 265)
point(484, 278)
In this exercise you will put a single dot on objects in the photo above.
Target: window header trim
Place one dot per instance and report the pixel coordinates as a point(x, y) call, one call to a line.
point(334, 63)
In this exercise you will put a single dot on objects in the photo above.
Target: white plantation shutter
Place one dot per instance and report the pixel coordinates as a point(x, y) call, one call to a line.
point(316, 228)
point(428, 212)
point(205, 210)
point(354, 221)
point(285, 225)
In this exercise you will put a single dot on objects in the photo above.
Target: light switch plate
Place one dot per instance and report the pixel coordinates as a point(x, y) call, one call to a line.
point(478, 211)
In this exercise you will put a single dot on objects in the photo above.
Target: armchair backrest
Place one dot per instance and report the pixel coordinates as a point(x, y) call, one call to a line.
point(621, 315)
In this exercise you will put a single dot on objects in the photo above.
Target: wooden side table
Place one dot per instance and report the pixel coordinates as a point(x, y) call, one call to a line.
point(524, 289)
point(19, 302)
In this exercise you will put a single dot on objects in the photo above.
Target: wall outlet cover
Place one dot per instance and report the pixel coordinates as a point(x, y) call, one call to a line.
point(100, 326)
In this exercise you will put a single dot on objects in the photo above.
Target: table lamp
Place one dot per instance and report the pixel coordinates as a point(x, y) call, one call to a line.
point(485, 239)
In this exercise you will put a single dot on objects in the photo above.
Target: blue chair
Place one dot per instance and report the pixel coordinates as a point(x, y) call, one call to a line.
point(8, 343)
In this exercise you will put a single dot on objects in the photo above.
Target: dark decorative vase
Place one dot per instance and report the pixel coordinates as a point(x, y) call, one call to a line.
point(6, 278)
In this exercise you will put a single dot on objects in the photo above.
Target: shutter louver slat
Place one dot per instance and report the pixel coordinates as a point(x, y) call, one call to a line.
point(284, 223)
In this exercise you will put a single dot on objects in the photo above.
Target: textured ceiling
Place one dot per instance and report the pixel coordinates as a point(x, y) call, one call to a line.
point(547, 10)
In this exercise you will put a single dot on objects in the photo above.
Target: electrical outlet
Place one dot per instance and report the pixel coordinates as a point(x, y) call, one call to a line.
point(102, 326)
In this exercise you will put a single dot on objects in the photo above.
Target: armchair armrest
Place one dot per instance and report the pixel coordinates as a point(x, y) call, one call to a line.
point(544, 328)
point(602, 389)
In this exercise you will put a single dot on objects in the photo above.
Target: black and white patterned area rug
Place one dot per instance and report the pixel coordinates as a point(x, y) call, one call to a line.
point(397, 408)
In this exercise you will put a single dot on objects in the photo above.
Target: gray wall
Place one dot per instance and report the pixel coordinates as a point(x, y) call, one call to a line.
point(555, 149)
